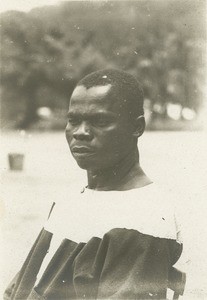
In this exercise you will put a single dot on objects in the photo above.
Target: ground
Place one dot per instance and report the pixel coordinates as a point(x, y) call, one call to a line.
point(174, 159)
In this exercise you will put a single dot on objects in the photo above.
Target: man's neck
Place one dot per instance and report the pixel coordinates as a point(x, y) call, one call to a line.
point(125, 175)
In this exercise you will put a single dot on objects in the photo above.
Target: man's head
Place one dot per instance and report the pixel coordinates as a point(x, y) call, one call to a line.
point(105, 119)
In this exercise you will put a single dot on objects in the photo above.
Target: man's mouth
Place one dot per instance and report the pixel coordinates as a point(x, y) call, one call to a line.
point(82, 151)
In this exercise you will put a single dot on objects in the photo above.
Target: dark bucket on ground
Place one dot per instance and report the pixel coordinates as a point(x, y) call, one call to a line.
point(16, 161)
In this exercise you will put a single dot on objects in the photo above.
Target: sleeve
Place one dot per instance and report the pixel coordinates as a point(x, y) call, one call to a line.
point(9, 290)
point(175, 250)
point(15, 283)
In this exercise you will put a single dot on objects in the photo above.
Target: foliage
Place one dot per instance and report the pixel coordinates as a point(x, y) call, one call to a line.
point(46, 51)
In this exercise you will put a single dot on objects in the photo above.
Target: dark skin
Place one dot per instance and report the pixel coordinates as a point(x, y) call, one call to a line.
point(102, 136)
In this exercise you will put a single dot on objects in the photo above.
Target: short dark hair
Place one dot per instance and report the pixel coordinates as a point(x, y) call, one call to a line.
point(124, 86)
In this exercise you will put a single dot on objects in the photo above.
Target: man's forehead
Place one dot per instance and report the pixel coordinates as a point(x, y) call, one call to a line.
point(95, 91)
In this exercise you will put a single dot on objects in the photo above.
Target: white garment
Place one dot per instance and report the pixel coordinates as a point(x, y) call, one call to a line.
point(91, 213)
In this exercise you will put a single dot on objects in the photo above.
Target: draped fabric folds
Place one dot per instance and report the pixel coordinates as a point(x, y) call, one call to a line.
point(123, 264)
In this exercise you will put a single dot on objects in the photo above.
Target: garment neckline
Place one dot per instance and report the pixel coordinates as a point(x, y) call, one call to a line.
point(87, 190)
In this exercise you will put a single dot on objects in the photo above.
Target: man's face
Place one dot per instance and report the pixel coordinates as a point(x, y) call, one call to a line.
point(99, 131)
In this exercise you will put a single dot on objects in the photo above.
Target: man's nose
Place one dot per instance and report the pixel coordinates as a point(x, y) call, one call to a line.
point(83, 132)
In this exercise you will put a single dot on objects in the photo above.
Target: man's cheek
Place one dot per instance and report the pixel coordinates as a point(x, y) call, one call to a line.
point(107, 134)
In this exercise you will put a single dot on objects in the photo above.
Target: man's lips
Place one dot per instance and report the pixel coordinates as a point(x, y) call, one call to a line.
point(82, 151)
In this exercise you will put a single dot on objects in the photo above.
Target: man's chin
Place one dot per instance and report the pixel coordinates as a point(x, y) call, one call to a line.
point(89, 165)
point(85, 164)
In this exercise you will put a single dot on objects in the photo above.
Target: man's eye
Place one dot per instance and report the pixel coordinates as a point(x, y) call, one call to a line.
point(101, 122)
point(73, 121)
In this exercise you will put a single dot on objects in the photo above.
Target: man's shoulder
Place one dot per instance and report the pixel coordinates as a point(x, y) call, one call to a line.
point(156, 193)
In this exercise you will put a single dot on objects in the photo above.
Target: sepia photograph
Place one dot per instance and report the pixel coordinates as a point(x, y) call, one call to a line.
point(103, 122)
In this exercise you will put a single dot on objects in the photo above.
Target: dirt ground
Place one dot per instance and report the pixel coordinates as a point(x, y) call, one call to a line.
point(174, 159)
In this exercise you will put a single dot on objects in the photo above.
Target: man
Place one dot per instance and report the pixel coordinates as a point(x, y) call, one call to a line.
point(117, 237)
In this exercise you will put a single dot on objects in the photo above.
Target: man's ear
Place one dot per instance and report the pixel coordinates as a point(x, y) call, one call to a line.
point(139, 125)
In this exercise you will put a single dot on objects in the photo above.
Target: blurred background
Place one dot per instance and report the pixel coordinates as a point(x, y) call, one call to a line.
point(45, 50)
